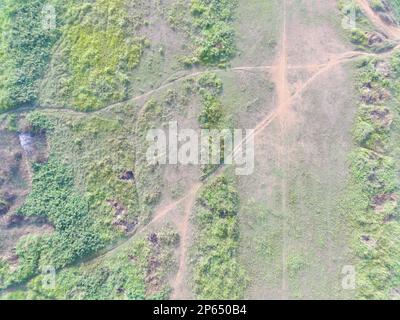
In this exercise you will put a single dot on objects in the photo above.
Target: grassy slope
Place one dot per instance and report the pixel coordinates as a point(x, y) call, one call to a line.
point(95, 150)
point(89, 153)
point(371, 201)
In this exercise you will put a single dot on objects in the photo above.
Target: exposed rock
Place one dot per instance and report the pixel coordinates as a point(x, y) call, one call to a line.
point(127, 175)
point(14, 221)
point(153, 238)
point(379, 201)
point(374, 95)
point(4, 207)
point(375, 38)
point(383, 117)
point(121, 220)
point(369, 241)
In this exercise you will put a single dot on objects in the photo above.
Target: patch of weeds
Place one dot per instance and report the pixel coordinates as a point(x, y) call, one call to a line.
point(39, 122)
point(210, 27)
point(296, 264)
point(76, 233)
point(135, 273)
point(217, 274)
point(24, 51)
point(97, 54)
point(374, 184)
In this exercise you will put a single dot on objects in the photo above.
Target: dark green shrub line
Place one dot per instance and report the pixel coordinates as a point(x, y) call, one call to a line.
point(217, 273)
point(212, 115)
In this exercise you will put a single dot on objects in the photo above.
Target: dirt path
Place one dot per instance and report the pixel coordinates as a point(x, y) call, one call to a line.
point(389, 31)
point(180, 289)
point(283, 103)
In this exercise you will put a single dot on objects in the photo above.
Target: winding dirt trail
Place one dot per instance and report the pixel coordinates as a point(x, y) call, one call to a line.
point(180, 288)
point(282, 111)
point(390, 31)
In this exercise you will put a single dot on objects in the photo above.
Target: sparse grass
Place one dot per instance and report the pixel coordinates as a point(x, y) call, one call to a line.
point(396, 6)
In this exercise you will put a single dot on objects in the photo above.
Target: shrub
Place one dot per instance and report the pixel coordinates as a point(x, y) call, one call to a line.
point(217, 272)
point(53, 197)
point(25, 52)
point(221, 198)
point(39, 122)
point(216, 40)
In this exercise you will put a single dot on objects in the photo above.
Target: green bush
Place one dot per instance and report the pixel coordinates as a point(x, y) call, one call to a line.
point(217, 273)
point(359, 37)
point(39, 122)
point(221, 198)
point(24, 51)
point(213, 20)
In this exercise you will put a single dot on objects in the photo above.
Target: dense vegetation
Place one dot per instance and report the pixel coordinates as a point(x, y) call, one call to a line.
point(99, 54)
point(25, 50)
point(217, 272)
point(210, 27)
point(374, 192)
point(135, 273)
point(216, 43)
point(76, 233)
point(213, 114)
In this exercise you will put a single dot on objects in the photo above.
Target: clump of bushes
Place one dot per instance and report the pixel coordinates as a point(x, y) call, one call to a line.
point(24, 53)
point(375, 207)
point(210, 27)
point(212, 114)
point(39, 122)
point(213, 20)
point(76, 234)
point(217, 273)
point(100, 54)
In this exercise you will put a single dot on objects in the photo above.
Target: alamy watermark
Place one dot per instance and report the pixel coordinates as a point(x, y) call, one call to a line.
point(49, 17)
point(188, 147)
point(48, 278)
point(349, 279)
